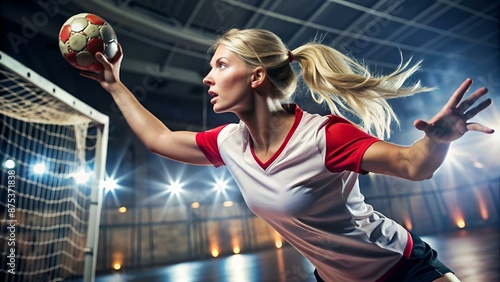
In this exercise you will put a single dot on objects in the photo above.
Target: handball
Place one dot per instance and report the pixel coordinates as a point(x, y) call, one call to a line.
point(82, 36)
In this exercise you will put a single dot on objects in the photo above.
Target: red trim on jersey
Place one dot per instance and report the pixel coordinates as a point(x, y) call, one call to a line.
point(298, 117)
point(345, 145)
point(409, 247)
point(406, 256)
point(207, 141)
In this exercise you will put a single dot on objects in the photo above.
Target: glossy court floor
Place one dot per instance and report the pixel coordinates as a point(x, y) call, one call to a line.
point(472, 254)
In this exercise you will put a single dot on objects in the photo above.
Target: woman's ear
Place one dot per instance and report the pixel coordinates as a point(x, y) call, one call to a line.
point(258, 77)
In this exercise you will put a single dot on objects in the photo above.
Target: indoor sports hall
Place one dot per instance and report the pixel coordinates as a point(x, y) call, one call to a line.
point(83, 199)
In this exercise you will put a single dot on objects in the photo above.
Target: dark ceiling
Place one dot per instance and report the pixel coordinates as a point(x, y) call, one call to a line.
point(165, 45)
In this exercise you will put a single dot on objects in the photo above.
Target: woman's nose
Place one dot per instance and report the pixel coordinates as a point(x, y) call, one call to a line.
point(208, 81)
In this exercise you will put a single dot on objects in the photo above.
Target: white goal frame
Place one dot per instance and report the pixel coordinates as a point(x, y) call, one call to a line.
point(96, 196)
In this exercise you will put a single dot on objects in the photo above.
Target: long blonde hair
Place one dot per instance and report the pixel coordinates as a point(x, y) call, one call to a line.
point(332, 77)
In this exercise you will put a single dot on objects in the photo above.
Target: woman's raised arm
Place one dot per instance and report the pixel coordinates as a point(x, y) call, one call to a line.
point(156, 136)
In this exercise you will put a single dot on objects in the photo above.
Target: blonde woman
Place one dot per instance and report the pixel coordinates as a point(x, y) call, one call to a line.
point(299, 171)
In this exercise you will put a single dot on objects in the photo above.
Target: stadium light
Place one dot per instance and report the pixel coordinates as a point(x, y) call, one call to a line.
point(220, 185)
point(81, 176)
point(9, 164)
point(110, 184)
point(175, 187)
point(39, 168)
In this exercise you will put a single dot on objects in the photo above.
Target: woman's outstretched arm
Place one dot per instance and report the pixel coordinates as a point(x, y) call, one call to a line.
point(423, 158)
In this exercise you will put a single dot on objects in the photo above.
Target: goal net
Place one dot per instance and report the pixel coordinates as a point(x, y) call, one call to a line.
point(52, 153)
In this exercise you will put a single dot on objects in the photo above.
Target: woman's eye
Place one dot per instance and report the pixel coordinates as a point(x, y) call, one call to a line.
point(222, 65)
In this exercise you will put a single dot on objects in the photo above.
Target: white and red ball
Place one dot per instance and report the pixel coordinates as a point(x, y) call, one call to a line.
point(83, 35)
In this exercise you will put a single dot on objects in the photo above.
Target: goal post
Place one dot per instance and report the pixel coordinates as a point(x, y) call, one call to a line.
point(53, 155)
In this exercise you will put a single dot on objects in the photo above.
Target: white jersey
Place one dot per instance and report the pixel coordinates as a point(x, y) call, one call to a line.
point(308, 192)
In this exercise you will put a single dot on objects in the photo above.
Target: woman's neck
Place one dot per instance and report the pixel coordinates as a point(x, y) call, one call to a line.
point(268, 124)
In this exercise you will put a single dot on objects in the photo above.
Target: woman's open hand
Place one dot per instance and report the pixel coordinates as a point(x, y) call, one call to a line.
point(452, 121)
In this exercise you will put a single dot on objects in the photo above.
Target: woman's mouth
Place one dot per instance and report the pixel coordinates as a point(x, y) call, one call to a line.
point(214, 96)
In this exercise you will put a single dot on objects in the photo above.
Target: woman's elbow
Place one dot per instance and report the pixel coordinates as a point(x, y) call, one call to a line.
point(420, 176)
point(156, 143)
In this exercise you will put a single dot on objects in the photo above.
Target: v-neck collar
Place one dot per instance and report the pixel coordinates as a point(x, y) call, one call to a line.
point(265, 165)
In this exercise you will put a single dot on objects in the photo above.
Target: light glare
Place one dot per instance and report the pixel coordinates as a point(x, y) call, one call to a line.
point(39, 168)
point(236, 250)
point(408, 224)
point(10, 164)
point(460, 223)
point(110, 184)
point(220, 185)
point(278, 244)
point(81, 176)
point(175, 188)
point(215, 252)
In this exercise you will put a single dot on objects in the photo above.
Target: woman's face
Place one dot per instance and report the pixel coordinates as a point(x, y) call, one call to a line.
point(229, 82)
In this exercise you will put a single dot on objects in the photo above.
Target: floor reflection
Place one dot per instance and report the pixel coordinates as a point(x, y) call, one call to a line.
point(473, 255)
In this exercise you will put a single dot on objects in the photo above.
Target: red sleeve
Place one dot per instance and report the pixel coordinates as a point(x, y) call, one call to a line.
point(207, 141)
point(345, 145)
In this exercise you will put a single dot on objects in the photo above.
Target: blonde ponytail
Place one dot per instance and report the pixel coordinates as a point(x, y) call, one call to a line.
point(339, 81)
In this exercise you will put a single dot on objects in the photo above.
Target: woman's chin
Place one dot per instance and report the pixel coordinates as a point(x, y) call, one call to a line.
point(219, 109)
